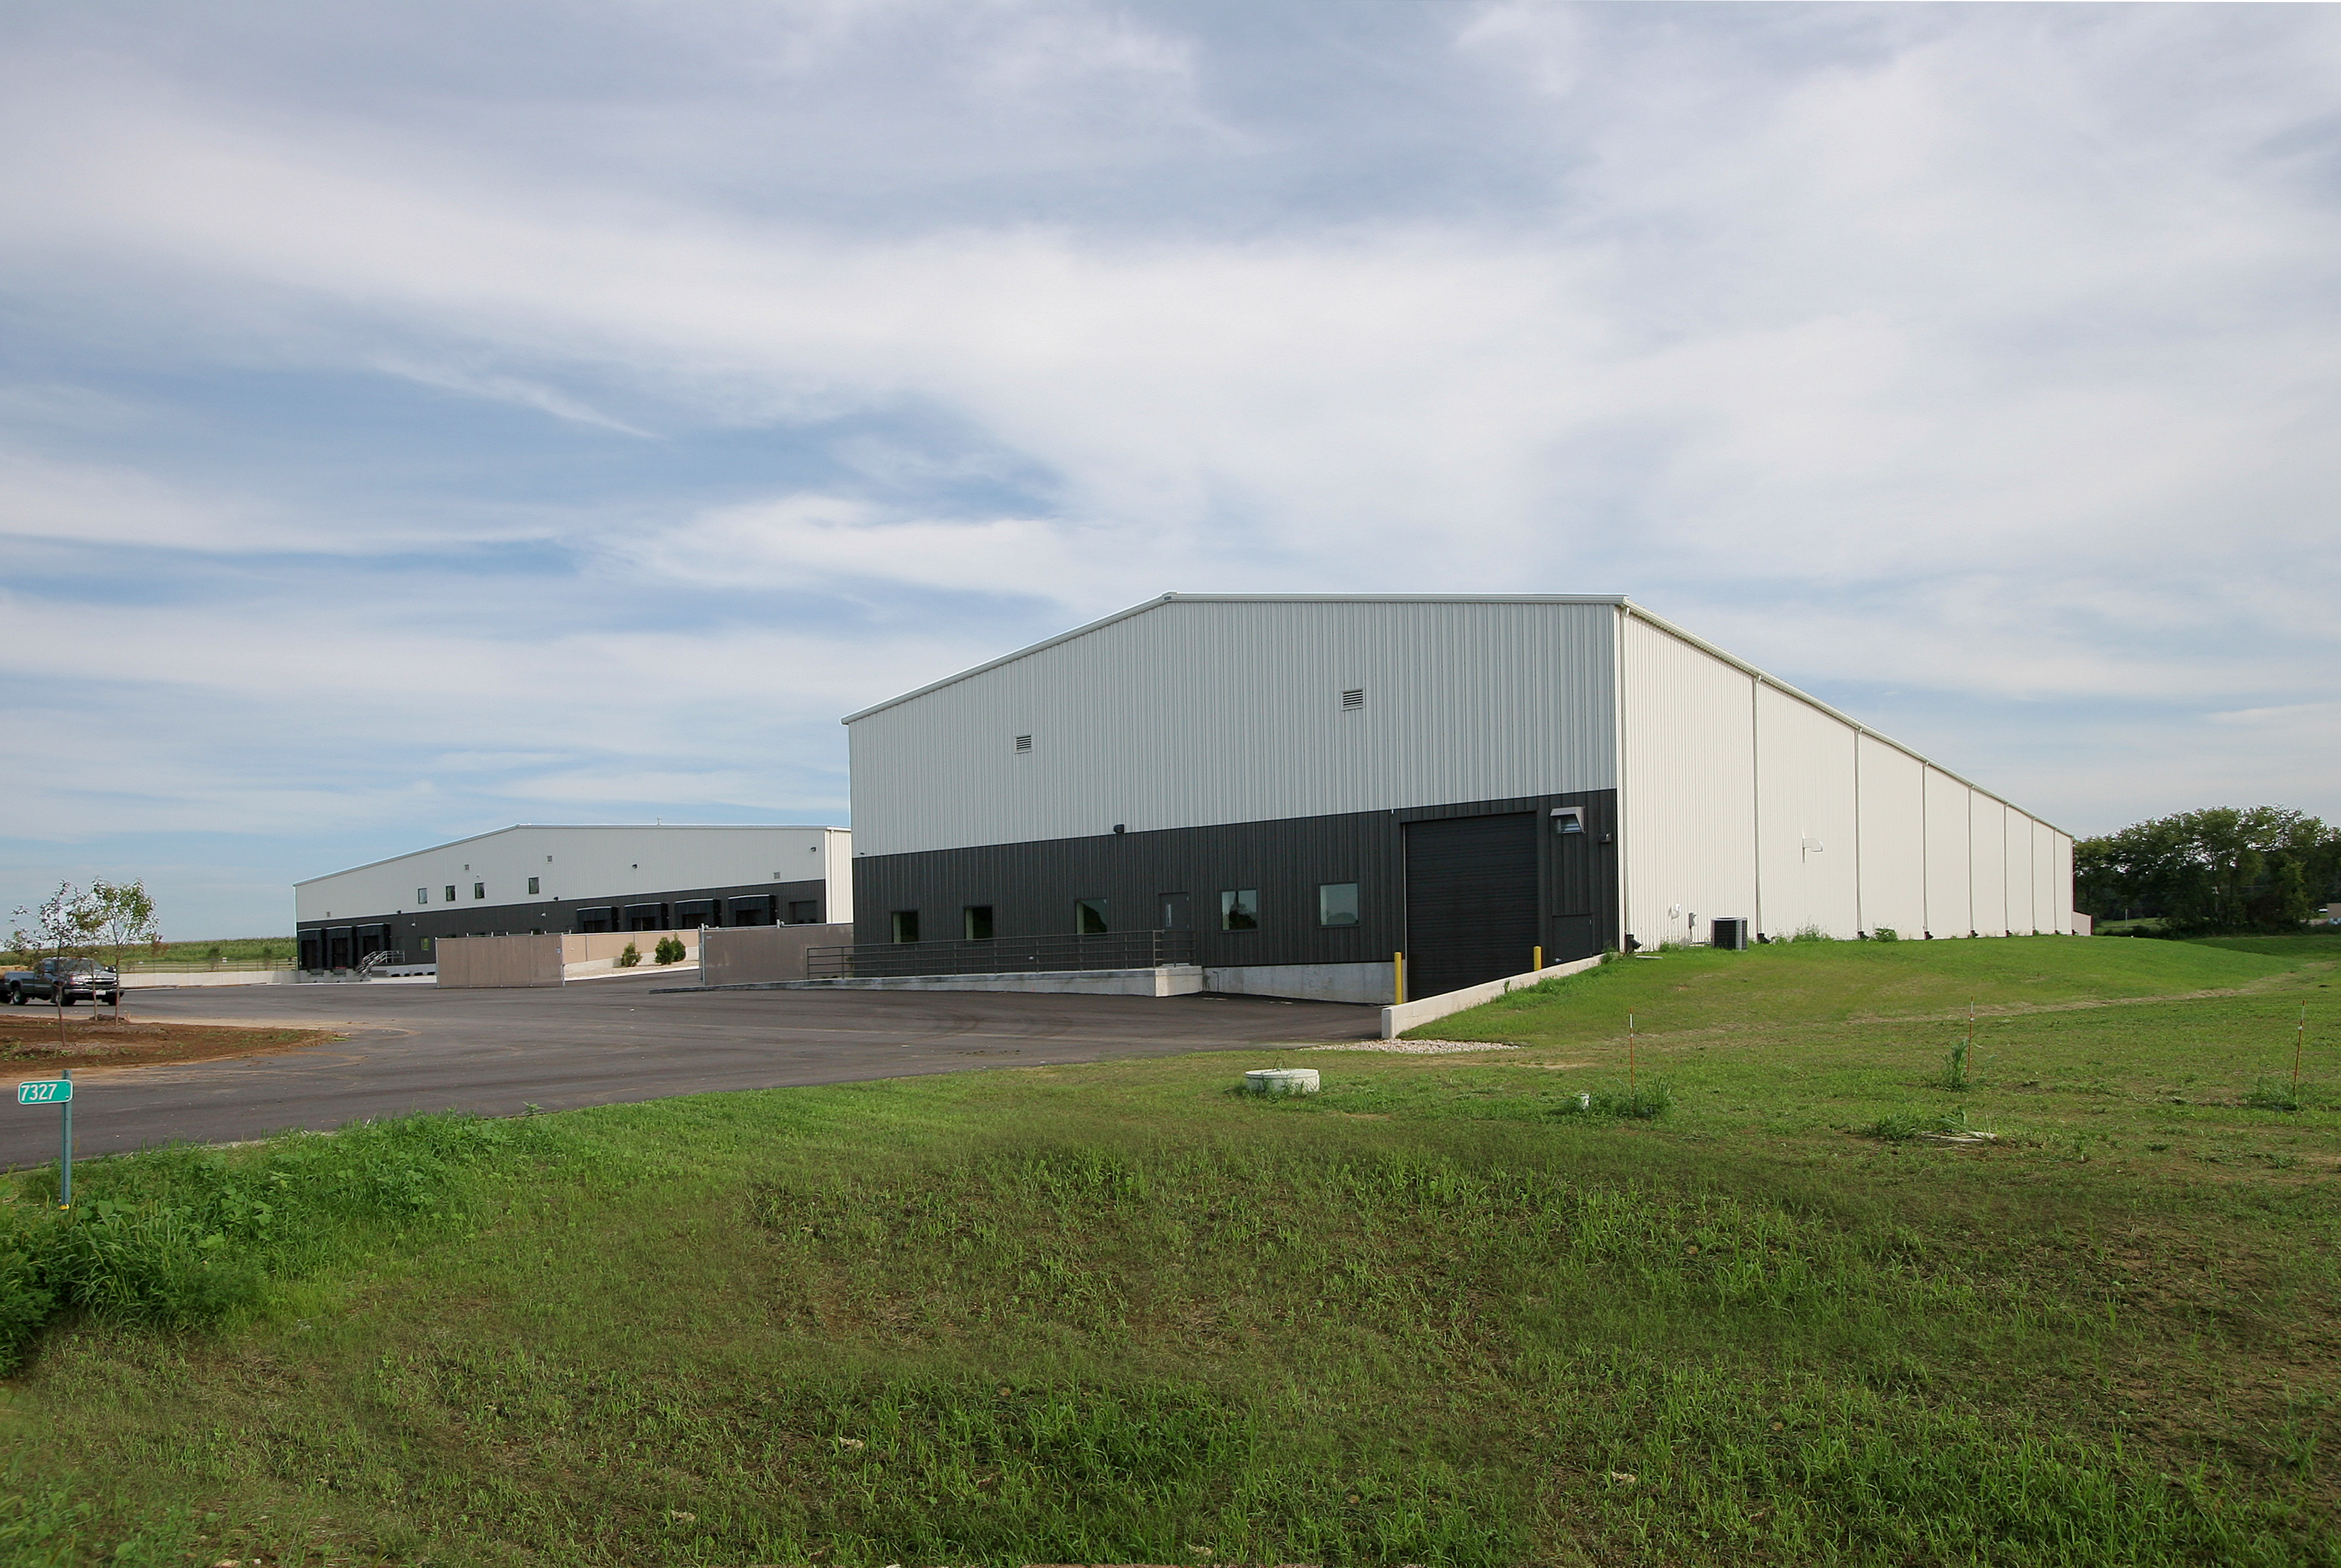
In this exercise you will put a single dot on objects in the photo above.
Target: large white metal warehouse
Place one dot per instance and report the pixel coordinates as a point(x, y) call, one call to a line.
point(543, 877)
point(1296, 788)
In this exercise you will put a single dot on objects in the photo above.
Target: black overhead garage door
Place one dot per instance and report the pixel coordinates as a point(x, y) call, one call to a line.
point(1471, 900)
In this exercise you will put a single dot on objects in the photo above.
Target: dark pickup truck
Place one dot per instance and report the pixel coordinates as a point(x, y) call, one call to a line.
point(65, 981)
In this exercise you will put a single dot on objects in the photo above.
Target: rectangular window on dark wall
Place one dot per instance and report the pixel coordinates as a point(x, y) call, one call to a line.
point(1088, 916)
point(906, 925)
point(975, 923)
point(1336, 903)
point(1239, 909)
point(532, 884)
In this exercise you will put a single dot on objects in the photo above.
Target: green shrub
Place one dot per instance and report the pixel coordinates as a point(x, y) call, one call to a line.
point(630, 957)
point(1885, 934)
point(670, 950)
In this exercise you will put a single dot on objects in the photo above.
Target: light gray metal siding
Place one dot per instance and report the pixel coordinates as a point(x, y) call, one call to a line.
point(1201, 711)
point(587, 862)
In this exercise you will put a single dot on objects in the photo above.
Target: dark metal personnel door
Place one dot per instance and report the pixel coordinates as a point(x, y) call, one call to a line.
point(1178, 913)
point(1471, 900)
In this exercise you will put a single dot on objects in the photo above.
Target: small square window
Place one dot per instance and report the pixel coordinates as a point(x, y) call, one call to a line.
point(426, 943)
point(906, 925)
point(1336, 903)
point(1239, 909)
point(423, 894)
point(451, 892)
point(479, 889)
point(975, 923)
point(1088, 916)
point(532, 884)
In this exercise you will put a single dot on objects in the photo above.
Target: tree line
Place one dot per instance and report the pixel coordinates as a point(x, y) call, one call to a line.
point(2221, 869)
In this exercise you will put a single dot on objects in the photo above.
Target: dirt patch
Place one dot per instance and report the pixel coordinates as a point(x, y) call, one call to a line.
point(28, 1039)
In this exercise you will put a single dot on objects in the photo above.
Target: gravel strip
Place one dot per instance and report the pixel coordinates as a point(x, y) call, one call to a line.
point(1419, 1047)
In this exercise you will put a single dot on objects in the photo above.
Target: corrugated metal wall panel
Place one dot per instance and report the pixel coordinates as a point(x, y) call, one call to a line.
point(2061, 880)
point(1988, 875)
point(1893, 838)
point(1688, 786)
point(1807, 835)
point(1950, 870)
point(578, 862)
point(2020, 922)
point(1199, 711)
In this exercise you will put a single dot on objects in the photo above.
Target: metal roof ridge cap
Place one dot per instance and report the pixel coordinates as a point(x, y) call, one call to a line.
point(1156, 603)
point(1774, 681)
point(603, 827)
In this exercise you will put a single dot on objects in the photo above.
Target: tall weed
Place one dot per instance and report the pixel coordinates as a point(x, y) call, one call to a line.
point(181, 1236)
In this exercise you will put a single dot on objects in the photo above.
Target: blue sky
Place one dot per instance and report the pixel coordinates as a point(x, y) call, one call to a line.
point(417, 419)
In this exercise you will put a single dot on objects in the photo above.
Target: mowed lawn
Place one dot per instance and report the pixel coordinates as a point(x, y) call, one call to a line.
point(1437, 1313)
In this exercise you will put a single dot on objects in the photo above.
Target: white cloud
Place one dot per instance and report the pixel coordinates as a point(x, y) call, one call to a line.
point(1987, 352)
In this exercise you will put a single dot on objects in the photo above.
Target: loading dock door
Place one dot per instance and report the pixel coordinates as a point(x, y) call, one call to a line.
point(1471, 900)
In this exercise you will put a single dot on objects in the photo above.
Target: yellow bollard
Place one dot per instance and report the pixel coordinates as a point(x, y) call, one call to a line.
point(1538, 959)
point(1397, 977)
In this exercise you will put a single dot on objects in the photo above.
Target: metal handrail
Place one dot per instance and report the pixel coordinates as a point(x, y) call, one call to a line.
point(1003, 955)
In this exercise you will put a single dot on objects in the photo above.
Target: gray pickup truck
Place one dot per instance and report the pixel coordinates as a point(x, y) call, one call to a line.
point(65, 981)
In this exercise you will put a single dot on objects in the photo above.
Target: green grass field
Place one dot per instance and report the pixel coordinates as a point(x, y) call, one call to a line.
point(1437, 1313)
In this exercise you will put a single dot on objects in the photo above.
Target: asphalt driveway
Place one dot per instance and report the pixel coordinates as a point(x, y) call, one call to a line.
point(414, 1047)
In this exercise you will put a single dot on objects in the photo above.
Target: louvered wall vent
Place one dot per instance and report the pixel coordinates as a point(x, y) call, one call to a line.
point(1353, 698)
point(1023, 743)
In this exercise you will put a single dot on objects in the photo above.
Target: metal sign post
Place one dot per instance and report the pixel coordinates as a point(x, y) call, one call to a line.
point(57, 1092)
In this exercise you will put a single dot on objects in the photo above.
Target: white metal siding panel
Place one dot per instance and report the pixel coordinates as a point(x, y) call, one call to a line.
point(2060, 874)
point(837, 868)
point(2020, 873)
point(1808, 836)
point(2046, 915)
point(584, 863)
point(1196, 712)
point(1893, 838)
point(1951, 860)
point(1988, 825)
point(1687, 801)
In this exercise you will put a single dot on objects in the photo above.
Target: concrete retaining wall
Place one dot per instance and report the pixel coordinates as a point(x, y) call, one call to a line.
point(1404, 1016)
point(1367, 983)
point(1169, 980)
point(137, 982)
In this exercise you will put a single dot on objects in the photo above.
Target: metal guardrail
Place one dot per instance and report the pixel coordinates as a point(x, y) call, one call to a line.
point(1002, 955)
